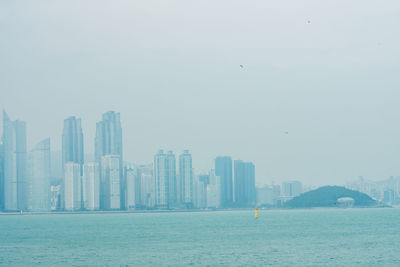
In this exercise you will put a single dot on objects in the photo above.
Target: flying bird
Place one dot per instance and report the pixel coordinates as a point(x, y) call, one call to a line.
point(241, 66)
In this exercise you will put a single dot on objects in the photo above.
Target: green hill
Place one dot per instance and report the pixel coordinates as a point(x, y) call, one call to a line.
point(327, 196)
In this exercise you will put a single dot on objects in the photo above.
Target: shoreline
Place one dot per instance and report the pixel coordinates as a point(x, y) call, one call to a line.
point(2, 213)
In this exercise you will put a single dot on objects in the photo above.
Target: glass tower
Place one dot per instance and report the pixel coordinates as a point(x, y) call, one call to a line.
point(38, 182)
point(223, 169)
point(108, 141)
point(14, 164)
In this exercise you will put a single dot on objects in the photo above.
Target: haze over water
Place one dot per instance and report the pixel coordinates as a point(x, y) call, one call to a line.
point(325, 72)
point(321, 237)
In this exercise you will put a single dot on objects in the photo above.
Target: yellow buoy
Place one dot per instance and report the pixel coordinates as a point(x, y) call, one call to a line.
point(256, 213)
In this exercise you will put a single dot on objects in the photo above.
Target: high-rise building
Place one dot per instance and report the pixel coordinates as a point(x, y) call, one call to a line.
point(214, 191)
point(1, 176)
point(108, 141)
point(292, 189)
point(171, 174)
point(147, 186)
point(14, 164)
point(91, 186)
point(165, 179)
point(57, 169)
point(245, 188)
point(38, 178)
point(110, 175)
point(199, 192)
point(72, 142)
point(72, 187)
point(186, 178)
point(131, 187)
point(223, 169)
point(161, 175)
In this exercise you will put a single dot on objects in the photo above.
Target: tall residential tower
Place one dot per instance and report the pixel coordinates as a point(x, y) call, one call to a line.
point(38, 178)
point(14, 164)
point(72, 142)
point(223, 169)
point(108, 141)
point(186, 178)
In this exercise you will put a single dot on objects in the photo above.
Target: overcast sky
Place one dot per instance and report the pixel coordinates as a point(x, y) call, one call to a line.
point(317, 99)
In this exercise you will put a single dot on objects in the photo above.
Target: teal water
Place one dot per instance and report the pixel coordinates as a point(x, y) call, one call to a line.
point(335, 237)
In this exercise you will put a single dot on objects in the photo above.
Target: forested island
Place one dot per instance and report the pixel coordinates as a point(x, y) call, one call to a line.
point(331, 196)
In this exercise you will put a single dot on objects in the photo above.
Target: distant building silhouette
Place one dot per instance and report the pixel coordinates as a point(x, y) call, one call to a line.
point(244, 173)
point(1, 175)
point(14, 164)
point(214, 191)
point(108, 141)
point(223, 169)
point(147, 186)
point(111, 173)
point(91, 186)
point(292, 188)
point(171, 174)
point(72, 187)
point(165, 175)
point(200, 191)
point(186, 178)
point(72, 142)
point(132, 190)
point(38, 178)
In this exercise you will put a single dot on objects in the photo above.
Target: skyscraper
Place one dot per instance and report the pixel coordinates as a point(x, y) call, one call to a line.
point(38, 178)
point(72, 141)
point(244, 183)
point(147, 186)
point(186, 177)
point(199, 192)
point(110, 175)
point(214, 191)
point(108, 141)
point(131, 187)
point(223, 169)
point(72, 187)
point(171, 173)
point(161, 180)
point(1, 176)
point(14, 165)
point(91, 186)
point(165, 179)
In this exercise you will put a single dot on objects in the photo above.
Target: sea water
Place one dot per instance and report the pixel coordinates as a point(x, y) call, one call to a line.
point(317, 237)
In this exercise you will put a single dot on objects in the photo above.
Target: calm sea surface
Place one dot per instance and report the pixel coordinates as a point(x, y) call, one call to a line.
point(335, 237)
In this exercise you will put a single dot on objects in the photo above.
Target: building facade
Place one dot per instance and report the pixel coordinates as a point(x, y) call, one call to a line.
point(245, 188)
point(14, 164)
point(38, 178)
point(111, 190)
point(223, 169)
point(186, 178)
point(165, 180)
point(131, 187)
point(147, 186)
point(72, 187)
point(72, 142)
point(292, 188)
point(214, 191)
point(108, 141)
point(91, 186)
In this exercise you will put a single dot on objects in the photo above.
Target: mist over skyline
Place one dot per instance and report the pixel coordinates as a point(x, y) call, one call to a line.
point(316, 101)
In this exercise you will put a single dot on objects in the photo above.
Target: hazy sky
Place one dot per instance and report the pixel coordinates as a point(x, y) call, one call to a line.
point(326, 72)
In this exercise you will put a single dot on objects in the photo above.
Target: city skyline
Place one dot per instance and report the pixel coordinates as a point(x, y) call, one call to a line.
point(81, 141)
